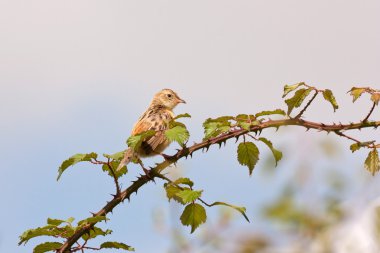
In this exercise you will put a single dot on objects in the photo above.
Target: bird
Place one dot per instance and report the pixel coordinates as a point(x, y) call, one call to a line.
point(157, 117)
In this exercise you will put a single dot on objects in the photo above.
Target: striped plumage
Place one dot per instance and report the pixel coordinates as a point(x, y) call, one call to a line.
point(157, 118)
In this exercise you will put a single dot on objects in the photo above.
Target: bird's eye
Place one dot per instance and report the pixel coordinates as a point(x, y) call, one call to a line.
point(169, 95)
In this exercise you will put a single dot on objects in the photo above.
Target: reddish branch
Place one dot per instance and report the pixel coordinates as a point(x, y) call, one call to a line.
point(186, 151)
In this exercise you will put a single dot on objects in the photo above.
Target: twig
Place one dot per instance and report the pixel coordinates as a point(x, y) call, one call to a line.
point(186, 151)
point(308, 103)
point(370, 112)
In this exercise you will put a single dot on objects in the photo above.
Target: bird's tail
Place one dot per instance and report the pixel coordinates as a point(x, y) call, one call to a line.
point(128, 155)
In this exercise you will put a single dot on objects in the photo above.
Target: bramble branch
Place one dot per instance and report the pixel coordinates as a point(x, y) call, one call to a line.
point(156, 172)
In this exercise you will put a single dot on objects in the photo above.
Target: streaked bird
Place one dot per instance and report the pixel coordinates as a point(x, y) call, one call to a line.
point(157, 118)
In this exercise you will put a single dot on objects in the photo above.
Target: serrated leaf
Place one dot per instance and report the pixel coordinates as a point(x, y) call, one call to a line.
point(184, 180)
point(185, 115)
point(171, 193)
point(49, 230)
point(114, 165)
point(116, 245)
point(245, 117)
point(214, 128)
point(135, 141)
point(356, 93)
point(354, 147)
point(70, 220)
point(265, 113)
point(74, 160)
point(54, 222)
point(237, 208)
point(117, 156)
point(375, 97)
point(329, 96)
point(94, 232)
point(372, 163)
point(92, 220)
point(248, 155)
point(46, 247)
point(297, 99)
point(290, 88)
point(276, 153)
point(193, 215)
point(178, 134)
point(188, 195)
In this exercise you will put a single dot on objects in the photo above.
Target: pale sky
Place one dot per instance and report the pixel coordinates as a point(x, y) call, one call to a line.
point(75, 75)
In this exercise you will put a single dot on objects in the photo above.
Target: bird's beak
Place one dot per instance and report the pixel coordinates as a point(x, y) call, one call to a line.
point(180, 100)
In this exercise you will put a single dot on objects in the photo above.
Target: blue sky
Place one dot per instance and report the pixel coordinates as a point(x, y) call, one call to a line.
point(75, 75)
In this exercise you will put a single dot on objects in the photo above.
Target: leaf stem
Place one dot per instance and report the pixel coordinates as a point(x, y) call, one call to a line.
point(308, 103)
point(370, 112)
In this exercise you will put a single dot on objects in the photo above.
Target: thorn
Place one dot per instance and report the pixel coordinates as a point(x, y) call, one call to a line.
point(220, 144)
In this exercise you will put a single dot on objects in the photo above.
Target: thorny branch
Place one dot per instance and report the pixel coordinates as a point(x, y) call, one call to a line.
point(156, 171)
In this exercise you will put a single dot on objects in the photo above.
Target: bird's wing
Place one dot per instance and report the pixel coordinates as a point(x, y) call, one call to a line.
point(152, 122)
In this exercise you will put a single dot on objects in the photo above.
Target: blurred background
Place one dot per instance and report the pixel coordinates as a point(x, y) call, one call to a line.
point(76, 75)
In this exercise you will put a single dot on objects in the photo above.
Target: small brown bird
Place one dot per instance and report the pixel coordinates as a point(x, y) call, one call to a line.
point(157, 118)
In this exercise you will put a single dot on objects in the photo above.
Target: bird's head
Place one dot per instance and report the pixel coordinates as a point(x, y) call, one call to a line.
point(167, 98)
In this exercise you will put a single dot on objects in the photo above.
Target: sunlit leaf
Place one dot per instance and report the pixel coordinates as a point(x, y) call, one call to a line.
point(193, 215)
point(356, 93)
point(117, 156)
point(276, 153)
point(178, 134)
point(355, 147)
point(40, 231)
point(213, 129)
point(94, 232)
point(92, 220)
point(188, 195)
point(74, 160)
point(114, 164)
point(248, 154)
point(184, 180)
point(297, 99)
point(46, 247)
point(171, 193)
point(372, 163)
point(329, 96)
point(185, 115)
point(135, 141)
point(54, 222)
point(116, 245)
point(290, 88)
point(237, 208)
point(266, 113)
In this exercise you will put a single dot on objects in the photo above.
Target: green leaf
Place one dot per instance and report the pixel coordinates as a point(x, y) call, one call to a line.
point(265, 113)
point(178, 134)
point(171, 193)
point(117, 156)
point(290, 88)
point(116, 245)
point(114, 164)
point(375, 97)
point(184, 180)
point(354, 147)
point(193, 215)
point(214, 128)
point(356, 93)
point(248, 154)
point(372, 163)
point(276, 153)
point(329, 96)
point(245, 117)
point(74, 160)
point(49, 230)
point(188, 195)
point(70, 220)
point(47, 246)
point(237, 208)
point(54, 222)
point(297, 99)
point(94, 232)
point(135, 141)
point(185, 115)
point(92, 220)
